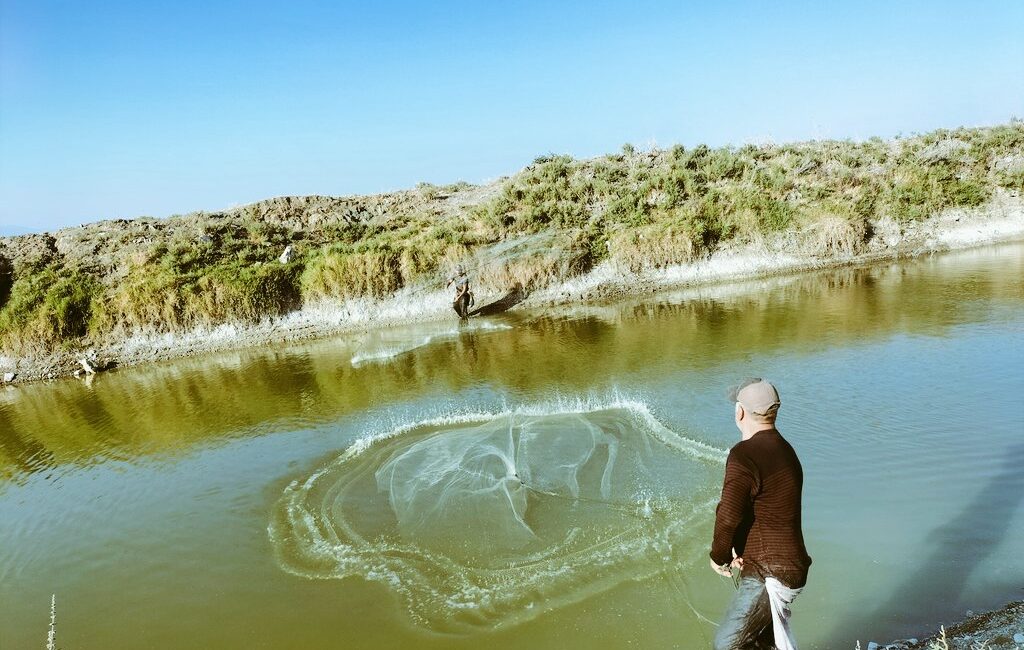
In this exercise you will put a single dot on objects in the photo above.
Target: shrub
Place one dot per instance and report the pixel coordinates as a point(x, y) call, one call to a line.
point(551, 193)
point(246, 292)
point(68, 305)
point(345, 271)
point(154, 296)
point(151, 296)
point(919, 191)
point(27, 292)
point(49, 304)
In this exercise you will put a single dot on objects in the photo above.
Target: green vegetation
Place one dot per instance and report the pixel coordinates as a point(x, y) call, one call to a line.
point(669, 207)
point(557, 218)
point(223, 277)
point(45, 305)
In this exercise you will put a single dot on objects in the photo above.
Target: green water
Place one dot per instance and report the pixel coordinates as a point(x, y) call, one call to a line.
point(158, 503)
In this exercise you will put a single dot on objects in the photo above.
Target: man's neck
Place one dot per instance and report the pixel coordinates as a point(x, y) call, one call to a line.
point(753, 430)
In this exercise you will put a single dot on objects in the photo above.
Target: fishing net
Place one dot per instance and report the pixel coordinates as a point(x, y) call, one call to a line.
point(386, 345)
point(481, 480)
point(477, 521)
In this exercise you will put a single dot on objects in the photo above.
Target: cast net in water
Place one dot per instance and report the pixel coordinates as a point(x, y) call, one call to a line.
point(488, 520)
point(386, 345)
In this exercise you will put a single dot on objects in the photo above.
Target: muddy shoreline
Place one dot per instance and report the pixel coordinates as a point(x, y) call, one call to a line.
point(999, 629)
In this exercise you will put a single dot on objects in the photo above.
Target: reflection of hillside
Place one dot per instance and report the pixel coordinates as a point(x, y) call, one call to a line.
point(167, 408)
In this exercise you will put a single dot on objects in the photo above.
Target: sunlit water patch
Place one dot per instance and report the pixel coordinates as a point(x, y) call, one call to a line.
point(487, 520)
point(386, 345)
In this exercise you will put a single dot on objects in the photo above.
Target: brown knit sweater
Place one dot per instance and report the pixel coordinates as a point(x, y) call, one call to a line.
point(759, 513)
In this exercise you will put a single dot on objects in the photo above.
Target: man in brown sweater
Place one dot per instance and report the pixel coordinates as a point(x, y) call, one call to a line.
point(757, 526)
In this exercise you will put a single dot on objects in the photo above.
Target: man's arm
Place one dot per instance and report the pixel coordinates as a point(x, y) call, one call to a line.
point(736, 487)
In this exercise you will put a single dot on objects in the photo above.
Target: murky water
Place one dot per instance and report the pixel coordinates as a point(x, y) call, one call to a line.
point(534, 480)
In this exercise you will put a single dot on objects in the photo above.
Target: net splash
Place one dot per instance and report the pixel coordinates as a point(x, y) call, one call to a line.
point(487, 520)
point(387, 345)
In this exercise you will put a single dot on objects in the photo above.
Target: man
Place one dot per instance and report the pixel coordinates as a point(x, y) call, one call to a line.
point(463, 298)
point(757, 526)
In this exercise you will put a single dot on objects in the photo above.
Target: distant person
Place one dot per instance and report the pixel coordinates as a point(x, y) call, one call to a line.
point(463, 297)
point(757, 526)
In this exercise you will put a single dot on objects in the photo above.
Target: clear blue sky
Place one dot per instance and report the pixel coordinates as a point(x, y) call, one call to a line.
point(119, 109)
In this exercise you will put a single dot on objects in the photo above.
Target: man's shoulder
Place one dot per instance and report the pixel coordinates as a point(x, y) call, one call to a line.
point(764, 444)
point(782, 442)
point(742, 453)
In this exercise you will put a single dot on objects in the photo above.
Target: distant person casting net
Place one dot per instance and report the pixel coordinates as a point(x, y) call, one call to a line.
point(463, 296)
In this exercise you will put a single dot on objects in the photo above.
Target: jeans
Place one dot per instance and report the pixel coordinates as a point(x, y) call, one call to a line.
point(747, 624)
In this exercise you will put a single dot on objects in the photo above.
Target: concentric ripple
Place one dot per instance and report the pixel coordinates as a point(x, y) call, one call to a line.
point(486, 520)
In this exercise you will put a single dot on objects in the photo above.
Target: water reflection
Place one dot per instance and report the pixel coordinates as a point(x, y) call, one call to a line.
point(167, 408)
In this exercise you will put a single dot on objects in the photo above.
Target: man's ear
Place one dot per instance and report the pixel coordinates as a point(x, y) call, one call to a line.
point(740, 413)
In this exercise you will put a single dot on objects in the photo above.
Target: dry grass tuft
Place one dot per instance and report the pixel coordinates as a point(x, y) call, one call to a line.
point(835, 235)
point(656, 246)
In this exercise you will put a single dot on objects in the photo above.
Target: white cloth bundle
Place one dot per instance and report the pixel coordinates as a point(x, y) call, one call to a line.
point(780, 597)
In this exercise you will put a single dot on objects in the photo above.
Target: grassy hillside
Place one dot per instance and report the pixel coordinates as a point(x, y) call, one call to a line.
point(557, 218)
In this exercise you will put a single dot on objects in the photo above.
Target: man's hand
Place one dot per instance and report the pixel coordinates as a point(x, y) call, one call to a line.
point(737, 562)
point(721, 569)
point(726, 569)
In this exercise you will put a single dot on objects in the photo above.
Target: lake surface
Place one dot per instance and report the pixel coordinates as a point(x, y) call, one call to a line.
point(542, 480)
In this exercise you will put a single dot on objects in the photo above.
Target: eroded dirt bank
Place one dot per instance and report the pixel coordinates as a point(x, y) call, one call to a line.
point(1002, 219)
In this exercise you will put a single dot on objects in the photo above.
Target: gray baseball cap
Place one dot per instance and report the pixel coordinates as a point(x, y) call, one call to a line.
point(756, 395)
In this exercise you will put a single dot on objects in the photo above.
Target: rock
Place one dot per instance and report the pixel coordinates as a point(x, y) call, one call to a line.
point(286, 256)
point(9, 377)
point(873, 646)
point(949, 149)
point(90, 362)
point(1018, 638)
point(1012, 164)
